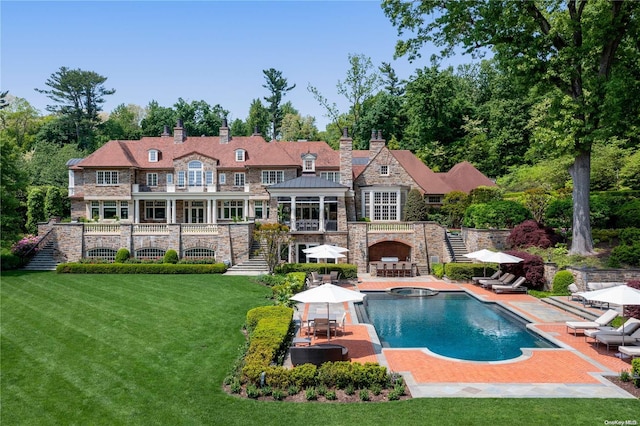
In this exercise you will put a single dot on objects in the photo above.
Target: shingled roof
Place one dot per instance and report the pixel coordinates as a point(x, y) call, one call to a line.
point(427, 179)
point(465, 177)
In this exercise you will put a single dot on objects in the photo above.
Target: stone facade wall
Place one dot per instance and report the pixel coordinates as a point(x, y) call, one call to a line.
point(584, 276)
point(122, 190)
point(398, 176)
point(477, 239)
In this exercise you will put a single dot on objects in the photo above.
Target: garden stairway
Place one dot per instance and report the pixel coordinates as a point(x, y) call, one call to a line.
point(457, 248)
point(256, 265)
point(43, 259)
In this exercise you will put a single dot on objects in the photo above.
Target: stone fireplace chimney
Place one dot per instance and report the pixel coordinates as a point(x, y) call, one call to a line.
point(375, 144)
point(225, 132)
point(165, 132)
point(179, 134)
point(346, 159)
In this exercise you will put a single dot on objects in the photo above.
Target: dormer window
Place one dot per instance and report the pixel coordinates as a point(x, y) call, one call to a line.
point(153, 155)
point(309, 162)
point(240, 154)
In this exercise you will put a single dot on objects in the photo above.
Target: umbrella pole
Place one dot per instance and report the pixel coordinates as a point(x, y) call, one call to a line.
point(328, 324)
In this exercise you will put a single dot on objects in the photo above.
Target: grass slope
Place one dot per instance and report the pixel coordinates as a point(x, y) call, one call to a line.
point(154, 349)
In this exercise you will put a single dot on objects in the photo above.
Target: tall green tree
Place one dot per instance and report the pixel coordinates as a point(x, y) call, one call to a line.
point(123, 124)
point(156, 117)
point(572, 46)
point(278, 87)
point(78, 95)
point(46, 164)
point(13, 188)
point(21, 122)
point(258, 118)
point(200, 118)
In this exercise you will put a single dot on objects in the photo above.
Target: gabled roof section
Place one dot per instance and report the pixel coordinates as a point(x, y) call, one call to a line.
point(465, 177)
point(427, 179)
point(111, 154)
point(327, 156)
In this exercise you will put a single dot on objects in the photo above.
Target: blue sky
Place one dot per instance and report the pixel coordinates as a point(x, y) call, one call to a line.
point(204, 50)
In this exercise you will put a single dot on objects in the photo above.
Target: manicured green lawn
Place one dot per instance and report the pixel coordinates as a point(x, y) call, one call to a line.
point(154, 349)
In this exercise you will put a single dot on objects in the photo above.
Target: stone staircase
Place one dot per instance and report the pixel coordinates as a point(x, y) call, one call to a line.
point(256, 265)
point(457, 248)
point(43, 259)
point(563, 302)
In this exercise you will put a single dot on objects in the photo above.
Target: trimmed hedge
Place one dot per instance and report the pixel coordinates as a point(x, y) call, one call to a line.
point(561, 282)
point(465, 271)
point(138, 268)
point(346, 270)
point(437, 269)
point(268, 328)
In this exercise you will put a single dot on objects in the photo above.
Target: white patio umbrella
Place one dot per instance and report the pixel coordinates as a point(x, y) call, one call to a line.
point(328, 293)
point(324, 252)
point(325, 246)
point(500, 258)
point(622, 295)
point(480, 255)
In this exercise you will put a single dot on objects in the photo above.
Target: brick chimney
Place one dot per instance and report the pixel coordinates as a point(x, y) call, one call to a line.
point(225, 133)
point(346, 159)
point(375, 144)
point(179, 134)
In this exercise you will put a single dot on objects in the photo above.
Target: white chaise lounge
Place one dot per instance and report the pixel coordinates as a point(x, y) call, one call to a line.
point(601, 321)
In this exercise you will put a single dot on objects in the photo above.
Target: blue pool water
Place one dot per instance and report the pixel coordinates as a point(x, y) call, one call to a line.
point(454, 325)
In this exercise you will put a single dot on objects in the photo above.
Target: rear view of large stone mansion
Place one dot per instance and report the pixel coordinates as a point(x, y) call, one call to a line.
point(202, 197)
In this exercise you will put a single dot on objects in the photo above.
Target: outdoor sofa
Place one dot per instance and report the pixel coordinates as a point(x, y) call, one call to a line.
point(318, 354)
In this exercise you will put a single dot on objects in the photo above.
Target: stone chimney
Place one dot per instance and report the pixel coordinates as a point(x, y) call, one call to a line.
point(165, 132)
point(225, 133)
point(346, 159)
point(375, 144)
point(256, 132)
point(179, 134)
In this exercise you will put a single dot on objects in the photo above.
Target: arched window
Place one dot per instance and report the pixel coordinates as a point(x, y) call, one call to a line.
point(103, 253)
point(150, 253)
point(199, 253)
point(195, 173)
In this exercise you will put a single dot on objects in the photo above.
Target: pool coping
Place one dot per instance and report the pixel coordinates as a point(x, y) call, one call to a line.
point(601, 387)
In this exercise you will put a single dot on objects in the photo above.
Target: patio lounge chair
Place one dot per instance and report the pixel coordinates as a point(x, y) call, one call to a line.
point(506, 279)
point(516, 287)
point(495, 276)
point(315, 280)
point(632, 351)
point(617, 340)
point(601, 321)
point(631, 325)
point(333, 277)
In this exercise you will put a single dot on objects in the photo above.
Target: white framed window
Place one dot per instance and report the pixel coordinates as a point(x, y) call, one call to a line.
point(195, 173)
point(434, 199)
point(384, 170)
point(109, 210)
point(309, 165)
point(240, 154)
point(331, 176)
point(153, 155)
point(381, 205)
point(152, 179)
point(155, 210)
point(208, 178)
point(222, 178)
point(270, 177)
point(238, 179)
point(106, 177)
point(181, 178)
point(124, 210)
point(231, 209)
point(169, 178)
point(261, 209)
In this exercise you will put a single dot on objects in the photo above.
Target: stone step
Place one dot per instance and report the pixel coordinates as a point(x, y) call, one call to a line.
point(563, 303)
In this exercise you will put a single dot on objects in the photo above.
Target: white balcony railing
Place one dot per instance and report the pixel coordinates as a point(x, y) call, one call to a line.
point(390, 227)
point(199, 228)
point(101, 228)
point(151, 228)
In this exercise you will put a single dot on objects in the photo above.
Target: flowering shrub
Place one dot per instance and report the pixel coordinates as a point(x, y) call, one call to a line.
point(25, 245)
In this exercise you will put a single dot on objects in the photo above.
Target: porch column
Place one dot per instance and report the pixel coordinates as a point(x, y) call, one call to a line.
point(321, 227)
point(136, 211)
point(398, 206)
point(214, 211)
point(169, 211)
point(371, 205)
point(246, 209)
point(293, 212)
point(174, 211)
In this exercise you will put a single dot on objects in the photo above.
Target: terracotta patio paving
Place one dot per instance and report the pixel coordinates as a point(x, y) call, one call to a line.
point(578, 363)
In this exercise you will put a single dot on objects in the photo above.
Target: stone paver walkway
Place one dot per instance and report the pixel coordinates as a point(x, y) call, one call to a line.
point(576, 369)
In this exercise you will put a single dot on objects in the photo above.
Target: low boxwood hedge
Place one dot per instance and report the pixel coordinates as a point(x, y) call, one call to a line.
point(465, 271)
point(347, 270)
point(139, 268)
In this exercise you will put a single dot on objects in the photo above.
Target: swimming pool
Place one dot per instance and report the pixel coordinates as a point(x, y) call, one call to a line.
point(452, 324)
